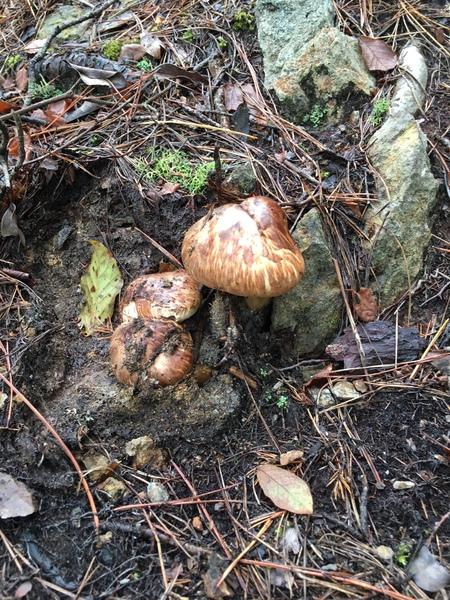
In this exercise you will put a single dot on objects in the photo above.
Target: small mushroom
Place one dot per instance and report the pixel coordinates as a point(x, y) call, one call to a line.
point(171, 295)
point(244, 249)
point(158, 351)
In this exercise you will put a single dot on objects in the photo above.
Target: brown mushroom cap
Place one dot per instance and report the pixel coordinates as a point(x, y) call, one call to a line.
point(151, 350)
point(244, 249)
point(172, 295)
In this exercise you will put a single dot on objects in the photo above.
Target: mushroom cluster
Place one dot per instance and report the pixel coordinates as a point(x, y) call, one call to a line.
point(243, 249)
point(150, 345)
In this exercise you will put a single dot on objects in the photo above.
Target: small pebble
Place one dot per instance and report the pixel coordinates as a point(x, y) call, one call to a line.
point(385, 553)
point(344, 390)
point(403, 485)
point(156, 492)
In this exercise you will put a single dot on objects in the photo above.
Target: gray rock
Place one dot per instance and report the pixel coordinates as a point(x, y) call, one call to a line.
point(106, 408)
point(156, 492)
point(312, 310)
point(327, 72)
point(62, 15)
point(241, 179)
point(285, 26)
point(399, 224)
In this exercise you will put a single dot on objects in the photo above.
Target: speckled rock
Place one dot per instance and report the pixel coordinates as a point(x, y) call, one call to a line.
point(312, 310)
point(285, 26)
point(399, 224)
point(328, 72)
point(241, 179)
point(60, 16)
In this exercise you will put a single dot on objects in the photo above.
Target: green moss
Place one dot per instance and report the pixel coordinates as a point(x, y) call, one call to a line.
point(144, 65)
point(174, 166)
point(379, 111)
point(111, 49)
point(243, 21)
point(316, 116)
point(222, 42)
point(44, 90)
point(11, 62)
point(188, 36)
point(403, 554)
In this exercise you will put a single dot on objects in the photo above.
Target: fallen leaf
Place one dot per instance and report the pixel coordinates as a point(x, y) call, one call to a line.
point(323, 374)
point(8, 225)
point(132, 52)
point(427, 572)
point(116, 21)
point(290, 540)
point(377, 55)
point(152, 44)
point(100, 77)
point(286, 490)
point(57, 109)
point(23, 589)
point(22, 79)
point(34, 46)
point(86, 108)
point(6, 107)
point(169, 188)
point(100, 284)
point(232, 96)
point(14, 146)
point(216, 567)
point(170, 71)
point(367, 307)
point(15, 498)
point(286, 458)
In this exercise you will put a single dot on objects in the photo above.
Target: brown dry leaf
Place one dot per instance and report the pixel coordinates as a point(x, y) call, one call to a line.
point(170, 71)
point(133, 52)
point(367, 307)
point(22, 79)
point(6, 107)
point(169, 188)
point(100, 77)
point(324, 373)
point(286, 490)
point(377, 55)
point(15, 498)
point(232, 96)
point(13, 147)
point(9, 226)
point(152, 44)
point(291, 456)
point(251, 98)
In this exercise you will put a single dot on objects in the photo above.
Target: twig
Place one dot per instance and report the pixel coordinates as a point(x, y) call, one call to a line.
point(61, 444)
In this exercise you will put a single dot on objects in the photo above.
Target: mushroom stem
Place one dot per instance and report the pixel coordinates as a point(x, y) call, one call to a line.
point(256, 302)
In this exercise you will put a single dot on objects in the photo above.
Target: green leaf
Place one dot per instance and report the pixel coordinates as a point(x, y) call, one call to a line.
point(286, 490)
point(100, 285)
